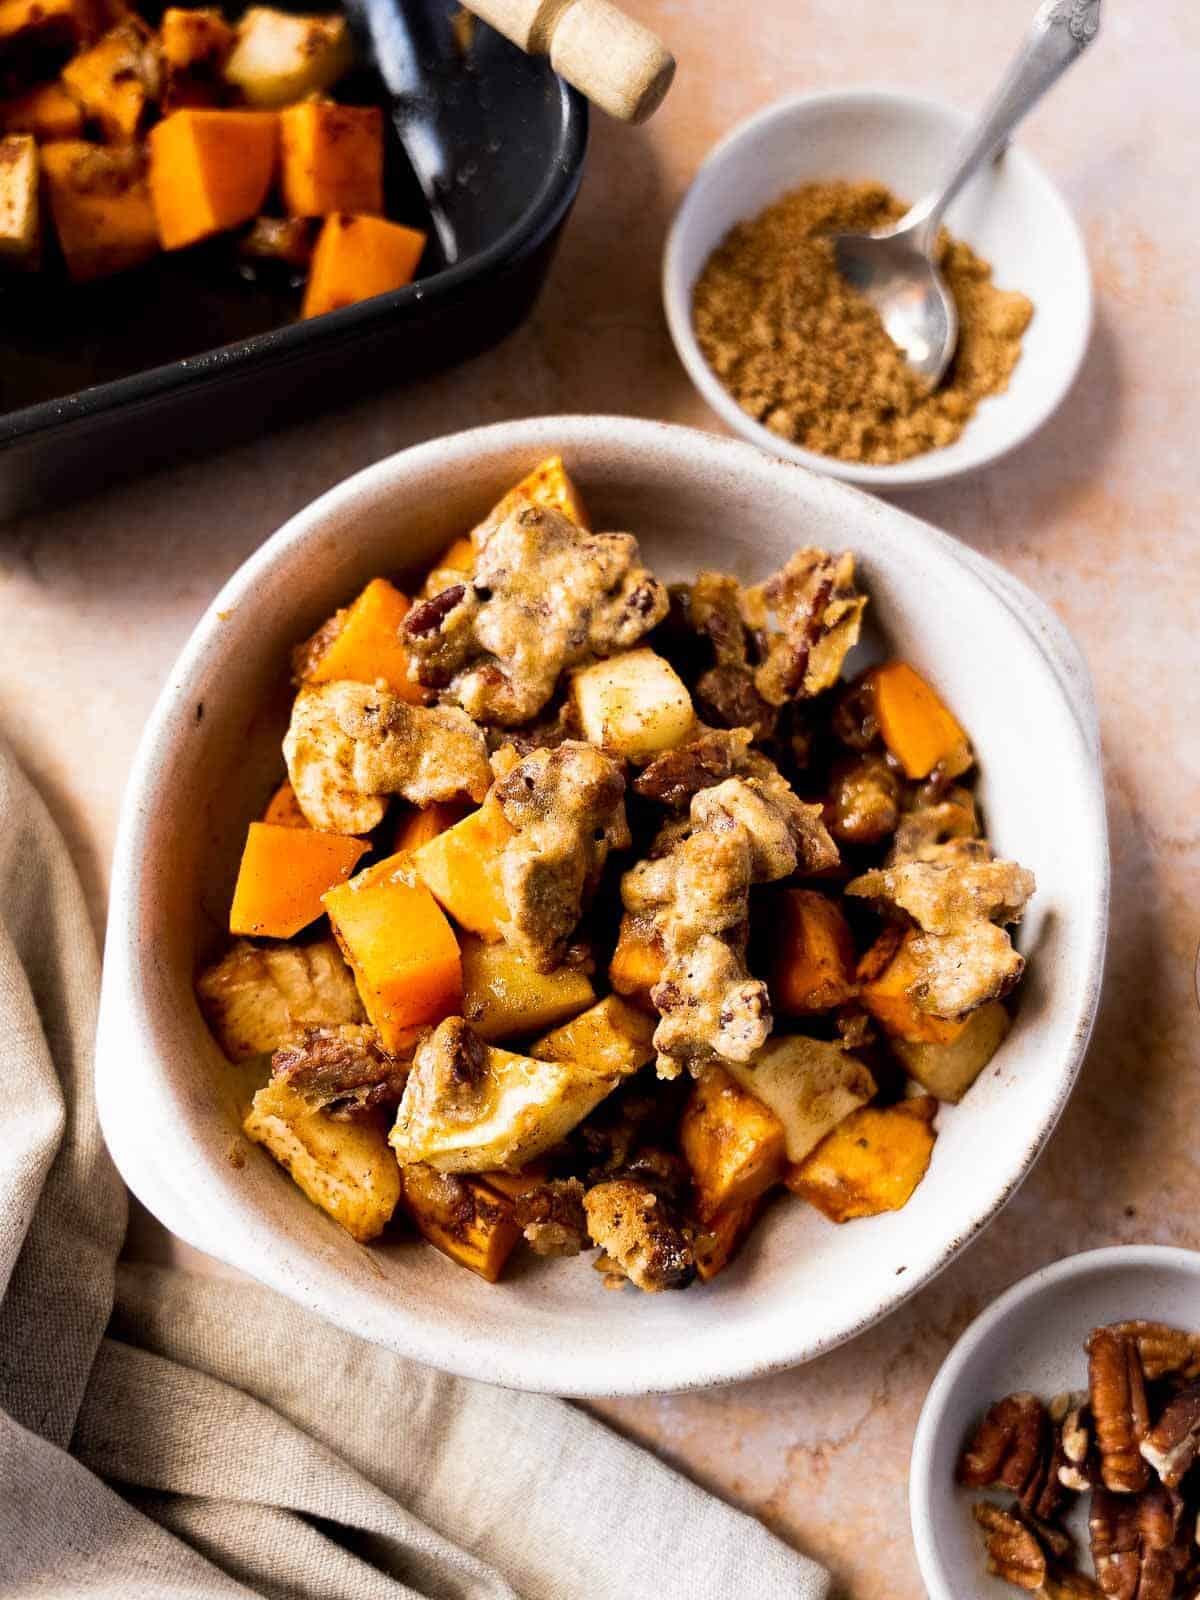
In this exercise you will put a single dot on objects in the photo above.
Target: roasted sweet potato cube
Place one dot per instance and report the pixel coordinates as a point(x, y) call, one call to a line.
point(886, 972)
point(947, 1071)
point(283, 874)
point(113, 81)
point(209, 171)
point(346, 1168)
point(637, 962)
point(331, 158)
point(812, 954)
point(100, 204)
point(357, 257)
point(919, 730)
point(734, 1145)
point(283, 809)
point(20, 218)
point(464, 1218)
point(720, 1240)
point(871, 1162)
point(461, 868)
point(362, 643)
point(48, 112)
point(401, 948)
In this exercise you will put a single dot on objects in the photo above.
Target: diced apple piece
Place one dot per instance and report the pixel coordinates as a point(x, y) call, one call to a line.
point(809, 1084)
point(283, 874)
point(504, 996)
point(733, 1143)
point(402, 950)
point(511, 1110)
point(461, 869)
point(255, 996)
point(280, 57)
point(345, 1168)
point(635, 705)
point(870, 1163)
point(20, 222)
point(637, 962)
point(611, 1036)
point(948, 1070)
point(720, 1240)
point(461, 1217)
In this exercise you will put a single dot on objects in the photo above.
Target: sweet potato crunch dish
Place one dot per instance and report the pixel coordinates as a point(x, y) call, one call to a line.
point(597, 914)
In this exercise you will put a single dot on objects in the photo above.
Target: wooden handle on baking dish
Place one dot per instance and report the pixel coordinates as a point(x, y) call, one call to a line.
point(622, 67)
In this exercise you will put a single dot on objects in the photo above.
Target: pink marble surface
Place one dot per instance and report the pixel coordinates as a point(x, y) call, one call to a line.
point(1098, 513)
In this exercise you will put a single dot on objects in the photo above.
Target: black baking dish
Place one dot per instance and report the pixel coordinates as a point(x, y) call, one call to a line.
point(116, 377)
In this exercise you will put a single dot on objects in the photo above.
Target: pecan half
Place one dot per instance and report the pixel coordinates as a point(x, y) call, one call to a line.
point(1164, 1350)
point(1139, 1543)
point(1117, 1393)
point(1015, 1447)
point(1173, 1443)
point(1013, 1550)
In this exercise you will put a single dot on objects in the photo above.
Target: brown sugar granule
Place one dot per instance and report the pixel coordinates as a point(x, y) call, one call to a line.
point(805, 355)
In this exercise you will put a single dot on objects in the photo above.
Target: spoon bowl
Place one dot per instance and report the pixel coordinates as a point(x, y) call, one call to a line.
point(892, 270)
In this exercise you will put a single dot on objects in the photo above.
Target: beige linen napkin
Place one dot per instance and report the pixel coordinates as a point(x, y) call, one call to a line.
point(216, 1440)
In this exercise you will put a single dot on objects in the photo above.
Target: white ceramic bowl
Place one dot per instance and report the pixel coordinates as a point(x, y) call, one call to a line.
point(1031, 1338)
point(210, 755)
point(1011, 214)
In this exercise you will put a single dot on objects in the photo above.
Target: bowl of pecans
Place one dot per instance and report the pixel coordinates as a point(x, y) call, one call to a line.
point(1056, 1451)
point(793, 360)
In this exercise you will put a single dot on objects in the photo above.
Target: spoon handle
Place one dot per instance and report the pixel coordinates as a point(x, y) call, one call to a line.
point(1059, 34)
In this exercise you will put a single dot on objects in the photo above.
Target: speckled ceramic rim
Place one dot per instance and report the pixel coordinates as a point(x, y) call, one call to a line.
point(1168, 1258)
point(173, 1182)
point(929, 468)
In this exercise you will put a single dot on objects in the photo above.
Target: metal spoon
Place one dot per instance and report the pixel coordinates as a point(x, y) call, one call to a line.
point(894, 267)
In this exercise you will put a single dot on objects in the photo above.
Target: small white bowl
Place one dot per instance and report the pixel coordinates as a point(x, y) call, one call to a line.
point(1031, 1338)
point(1012, 214)
point(210, 756)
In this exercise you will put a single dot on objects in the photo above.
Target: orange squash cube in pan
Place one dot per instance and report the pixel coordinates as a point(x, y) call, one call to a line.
point(209, 171)
point(331, 158)
point(357, 257)
point(283, 875)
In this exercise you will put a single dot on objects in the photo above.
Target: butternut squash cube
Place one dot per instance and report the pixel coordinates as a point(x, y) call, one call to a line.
point(637, 962)
point(917, 727)
point(331, 158)
point(283, 809)
point(503, 996)
point(111, 80)
point(281, 57)
point(100, 203)
point(634, 704)
point(284, 873)
point(870, 1163)
point(548, 484)
point(454, 563)
point(809, 1084)
point(357, 257)
point(462, 869)
point(400, 947)
point(195, 43)
point(210, 170)
point(418, 827)
point(948, 1070)
point(362, 643)
point(48, 112)
point(611, 1036)
point(720, 1240)
point(886, 973)
point(462, 1217)
point(734, 1145)
point(812, 959)
point(345, 1168)
point(20, 217)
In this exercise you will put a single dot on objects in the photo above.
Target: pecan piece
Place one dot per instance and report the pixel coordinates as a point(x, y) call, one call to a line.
point(1015, 1447)
point(341, 1070)
point(1070, 1585)
point(1013, 1550)
point(552, 1217)
point(1117, 1392)
point(1077, 1470)
point(675, 776)
point(1173, 1443)
point(1165, 1351)
point(1139, 1543)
